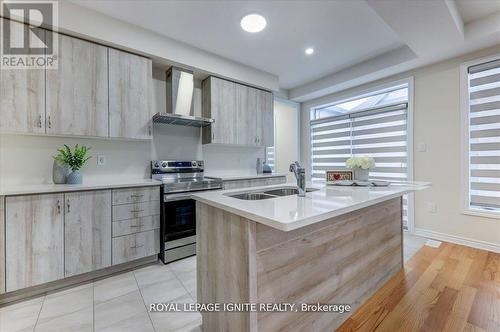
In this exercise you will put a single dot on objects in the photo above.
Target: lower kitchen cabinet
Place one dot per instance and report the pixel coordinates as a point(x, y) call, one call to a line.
point(34, 236)
point(87, 231)
point(130, 247)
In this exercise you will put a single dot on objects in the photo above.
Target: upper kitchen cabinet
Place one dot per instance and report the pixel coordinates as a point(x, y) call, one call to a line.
point(77, 91)
point(219, 103)
point(22, 95)
point(129, 95)
point(242, 115)
point(265, 118)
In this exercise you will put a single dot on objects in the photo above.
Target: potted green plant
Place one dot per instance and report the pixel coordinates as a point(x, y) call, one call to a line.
point(75, 160)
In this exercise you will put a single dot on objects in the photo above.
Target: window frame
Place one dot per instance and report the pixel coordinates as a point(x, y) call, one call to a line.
point(357, 93)
point(464, 139)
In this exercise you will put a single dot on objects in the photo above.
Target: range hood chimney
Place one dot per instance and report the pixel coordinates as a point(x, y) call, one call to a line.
point(180, 95)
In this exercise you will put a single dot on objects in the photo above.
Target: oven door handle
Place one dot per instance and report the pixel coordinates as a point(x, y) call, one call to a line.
point(176, 197)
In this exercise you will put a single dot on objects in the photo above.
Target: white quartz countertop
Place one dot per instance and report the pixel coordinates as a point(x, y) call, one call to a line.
point(287, 213)
point(26, 189)
point(241, 176)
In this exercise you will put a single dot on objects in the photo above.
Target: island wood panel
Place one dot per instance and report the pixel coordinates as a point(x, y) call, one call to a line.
point(2, 244)
point(130, 110)
point(22, 94)
point(77, 92)
point(341, 260)
point(451, 288)
point(225, 254)
point(344, 261)
point(34, 236)
point(87, 231)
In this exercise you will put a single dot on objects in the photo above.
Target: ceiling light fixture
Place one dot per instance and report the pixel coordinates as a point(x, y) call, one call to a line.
point(253, 23)
point(309, 50)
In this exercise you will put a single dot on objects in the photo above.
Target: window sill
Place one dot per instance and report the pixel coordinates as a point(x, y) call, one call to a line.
point(491, 215)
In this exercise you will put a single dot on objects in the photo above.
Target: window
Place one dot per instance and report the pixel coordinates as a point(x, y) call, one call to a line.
point(483, 137)
point(270, 157)
point(375, 125)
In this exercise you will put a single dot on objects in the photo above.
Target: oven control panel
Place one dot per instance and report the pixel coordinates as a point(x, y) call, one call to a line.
point(174, 166)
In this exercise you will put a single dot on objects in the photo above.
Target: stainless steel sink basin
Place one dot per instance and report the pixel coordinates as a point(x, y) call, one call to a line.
point(252, 196)
point(274, 193)
point(286, 191)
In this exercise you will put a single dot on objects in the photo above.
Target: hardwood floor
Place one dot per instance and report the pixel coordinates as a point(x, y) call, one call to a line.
point(450, 288)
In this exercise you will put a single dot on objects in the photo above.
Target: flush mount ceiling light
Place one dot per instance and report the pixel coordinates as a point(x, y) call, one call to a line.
point(253, 23)
point(309, 51)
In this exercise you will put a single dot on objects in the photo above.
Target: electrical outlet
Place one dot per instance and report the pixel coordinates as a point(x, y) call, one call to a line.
point(422, 147)
point(101, 160)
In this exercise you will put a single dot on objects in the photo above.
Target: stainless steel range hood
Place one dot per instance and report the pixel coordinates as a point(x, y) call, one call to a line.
point(180, 93)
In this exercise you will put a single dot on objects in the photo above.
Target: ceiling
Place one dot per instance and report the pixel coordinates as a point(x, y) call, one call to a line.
point(355, 41)
point(339, 40)
point(472, 10)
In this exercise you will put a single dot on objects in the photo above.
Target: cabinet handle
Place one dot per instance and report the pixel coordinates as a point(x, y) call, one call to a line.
point(58, 207)
point(138, 225)
point(136, 195)
point(68, 206)
point(40, 121)
point(135, 211)
point(136, 246)
point(49, 122)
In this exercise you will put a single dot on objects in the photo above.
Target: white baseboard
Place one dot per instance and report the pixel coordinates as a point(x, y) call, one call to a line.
point(458, 240)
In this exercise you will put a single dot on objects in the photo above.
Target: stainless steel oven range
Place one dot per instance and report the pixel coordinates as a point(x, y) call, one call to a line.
point(178, 211)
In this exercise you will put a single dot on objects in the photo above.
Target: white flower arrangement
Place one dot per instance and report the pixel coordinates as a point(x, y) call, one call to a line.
point(361, 162)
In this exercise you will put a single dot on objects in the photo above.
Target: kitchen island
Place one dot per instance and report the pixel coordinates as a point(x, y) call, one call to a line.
point(337, 245)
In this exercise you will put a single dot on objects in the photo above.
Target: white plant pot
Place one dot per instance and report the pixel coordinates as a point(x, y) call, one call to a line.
point(361, 174)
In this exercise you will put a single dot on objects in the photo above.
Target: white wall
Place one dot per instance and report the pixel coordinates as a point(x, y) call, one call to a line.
point(286, 119)
point(436, 123)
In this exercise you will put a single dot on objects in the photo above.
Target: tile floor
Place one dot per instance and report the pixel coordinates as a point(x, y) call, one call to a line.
point(120, 303)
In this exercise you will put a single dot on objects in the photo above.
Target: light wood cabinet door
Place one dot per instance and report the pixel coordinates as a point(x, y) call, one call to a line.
point(219, 103)
point(77, 91)
point(246, 108)
point(134, 246)
point(34, 240)
point(87, 231)
point(129, 95)
point(22, 95)
point(265, 118)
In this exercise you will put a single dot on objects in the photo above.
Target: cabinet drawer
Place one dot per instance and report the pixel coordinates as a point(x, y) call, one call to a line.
point(136, 195)
point(137, 210)
point(130, 247)
point(236, 184)
point(130, 226)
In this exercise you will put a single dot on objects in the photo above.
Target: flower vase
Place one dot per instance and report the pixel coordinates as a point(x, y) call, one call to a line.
point(361, 174)
point(74, 177)
point(60, 172)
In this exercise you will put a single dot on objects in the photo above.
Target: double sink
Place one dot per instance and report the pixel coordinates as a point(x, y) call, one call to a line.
point(267, 194)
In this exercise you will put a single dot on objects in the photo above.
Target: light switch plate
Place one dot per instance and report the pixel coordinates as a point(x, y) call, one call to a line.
point(101, 160)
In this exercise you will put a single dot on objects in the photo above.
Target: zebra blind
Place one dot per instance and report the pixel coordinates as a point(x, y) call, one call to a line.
point(380, 133)
point(270, 157)
point(484, 136)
